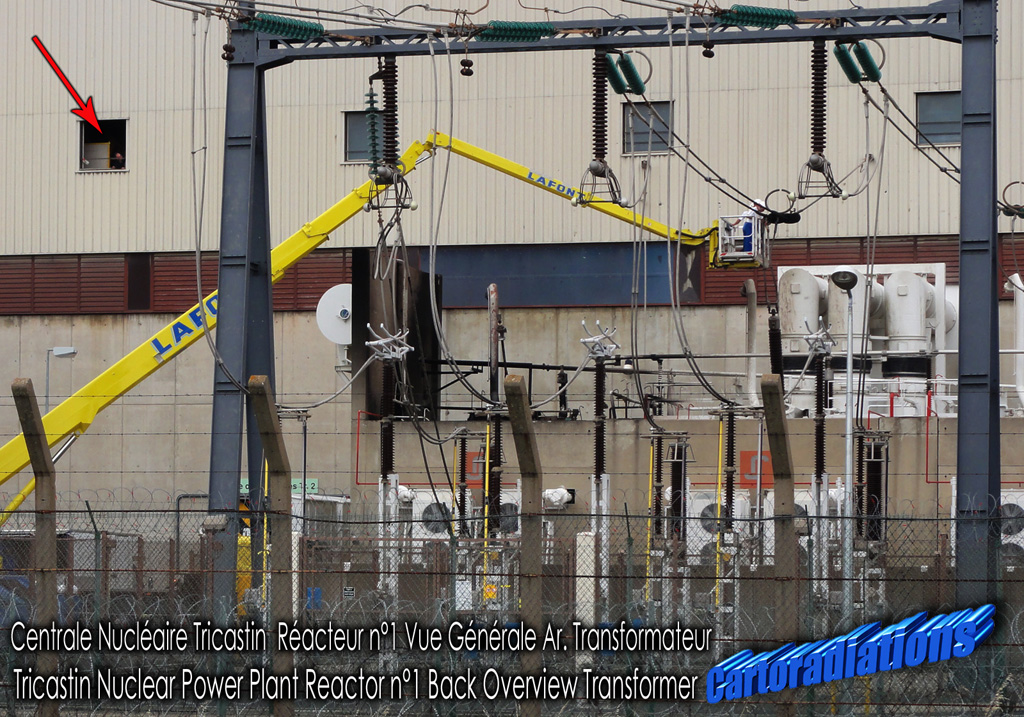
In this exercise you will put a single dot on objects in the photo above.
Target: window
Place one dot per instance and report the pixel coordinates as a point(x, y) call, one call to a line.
point(357, 140)
point(106, 150)
point(938, 117)
point(640, 134)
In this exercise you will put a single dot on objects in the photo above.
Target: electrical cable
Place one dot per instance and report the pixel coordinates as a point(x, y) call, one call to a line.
point(435, 224)
point(199, 193)
point(562, 390)
point(948, 171)
point(712, 177)
point(864, 167)
point(872, 245)
point(639, 242)
point(674, 264)
point(666, 6)
point(673, 279)
point(639, 255)
point(404, 382)
point(232, 12)
point(405, 397)
point(334, 395)
point(925, 137)
point(569, 12)
point(811, 355)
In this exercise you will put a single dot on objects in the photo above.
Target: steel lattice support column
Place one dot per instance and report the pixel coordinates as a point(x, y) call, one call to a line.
point(978, 470)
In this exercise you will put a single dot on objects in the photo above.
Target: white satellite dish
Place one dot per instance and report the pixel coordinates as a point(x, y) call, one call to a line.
point(334, 314)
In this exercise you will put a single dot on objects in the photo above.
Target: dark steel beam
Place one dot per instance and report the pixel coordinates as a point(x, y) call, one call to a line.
point(978, 471)
point(939, 20)
point(244, 339)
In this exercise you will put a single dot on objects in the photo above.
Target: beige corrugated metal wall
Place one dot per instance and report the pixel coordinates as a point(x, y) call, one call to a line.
point(748, 112)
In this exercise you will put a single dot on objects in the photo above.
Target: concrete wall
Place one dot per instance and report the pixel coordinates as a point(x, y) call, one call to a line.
point(157, 437)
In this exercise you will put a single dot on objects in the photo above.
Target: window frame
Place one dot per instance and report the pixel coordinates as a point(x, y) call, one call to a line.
point(656, 148)
point(82, 125)
point(345, 159)
point(926, 140)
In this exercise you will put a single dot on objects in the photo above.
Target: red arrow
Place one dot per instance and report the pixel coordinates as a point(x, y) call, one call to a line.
point(85, 109)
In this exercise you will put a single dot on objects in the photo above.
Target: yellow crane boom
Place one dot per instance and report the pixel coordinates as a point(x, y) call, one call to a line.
point(75, 414)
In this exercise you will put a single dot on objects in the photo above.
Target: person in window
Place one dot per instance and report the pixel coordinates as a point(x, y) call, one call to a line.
point(117, 162)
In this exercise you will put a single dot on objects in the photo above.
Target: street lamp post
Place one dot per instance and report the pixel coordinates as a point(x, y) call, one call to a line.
point(59, 352)
point(846, 278)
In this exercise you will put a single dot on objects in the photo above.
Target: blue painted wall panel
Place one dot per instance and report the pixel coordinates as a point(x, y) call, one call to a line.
point(559, 275)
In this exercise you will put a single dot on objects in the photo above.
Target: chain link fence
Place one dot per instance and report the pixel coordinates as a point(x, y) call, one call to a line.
point(127, 559)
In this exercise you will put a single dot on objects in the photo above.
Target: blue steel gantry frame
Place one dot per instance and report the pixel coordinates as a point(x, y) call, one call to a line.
point(245, 331)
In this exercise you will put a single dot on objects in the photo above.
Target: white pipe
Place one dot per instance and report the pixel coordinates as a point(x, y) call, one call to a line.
point(847, 526)
point(863, 323)
point(750, 291)
point(1018, 335)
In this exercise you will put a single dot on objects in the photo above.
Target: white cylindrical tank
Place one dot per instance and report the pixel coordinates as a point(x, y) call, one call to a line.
point(909, 300)
point(838, 305)
point(801, 302)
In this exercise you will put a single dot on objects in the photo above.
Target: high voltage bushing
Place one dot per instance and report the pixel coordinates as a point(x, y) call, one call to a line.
point(387, 428)
point(494, 485)
point(463, 525)
point(730, 466)
point(600, 105)
point(372, 125)
point(677, 491)
point(874, 489)
point(389, 78)
point(819, 90)
point(599, 425)
point(286, 27)
point(632, 76)
point(820, 393)
point(861, 488)
point(659, 468)
point(507, 31)
point(752, 16)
